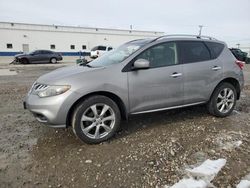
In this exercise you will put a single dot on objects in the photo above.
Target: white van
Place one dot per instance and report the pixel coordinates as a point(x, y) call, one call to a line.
point(99, 50)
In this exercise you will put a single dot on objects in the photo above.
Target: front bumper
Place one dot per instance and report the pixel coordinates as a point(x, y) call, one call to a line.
point(52, 111)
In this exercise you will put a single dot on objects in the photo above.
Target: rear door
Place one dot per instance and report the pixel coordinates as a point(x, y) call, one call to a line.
point(46, 56)
point(201, 70)
point(160, 86)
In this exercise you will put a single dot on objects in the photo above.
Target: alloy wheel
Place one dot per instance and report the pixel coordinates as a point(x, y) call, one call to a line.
point(98, 121)
point(225, 100)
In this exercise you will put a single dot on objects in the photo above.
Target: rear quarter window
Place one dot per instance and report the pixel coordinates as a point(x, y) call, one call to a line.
point(215, 49)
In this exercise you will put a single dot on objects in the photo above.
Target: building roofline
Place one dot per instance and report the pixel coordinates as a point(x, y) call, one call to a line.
point(79, 27)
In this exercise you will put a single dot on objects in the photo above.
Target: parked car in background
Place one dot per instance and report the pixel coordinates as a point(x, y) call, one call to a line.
point(39, 56)
point(99, 50)
point(247, 60)
point(141, 76)
point(239, 54)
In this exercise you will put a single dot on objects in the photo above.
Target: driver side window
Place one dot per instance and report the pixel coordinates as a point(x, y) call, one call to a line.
point(164, 54)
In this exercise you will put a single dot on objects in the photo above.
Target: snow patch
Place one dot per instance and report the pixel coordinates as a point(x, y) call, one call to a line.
point(190, 183)
point(243, 184)
point(207, 170)
point(229, 141)
point(236, 112)
point(201, 176)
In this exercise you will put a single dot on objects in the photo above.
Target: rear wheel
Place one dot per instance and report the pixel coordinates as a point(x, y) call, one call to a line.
point(223, 100)
point(96, 119)
point(53, 60)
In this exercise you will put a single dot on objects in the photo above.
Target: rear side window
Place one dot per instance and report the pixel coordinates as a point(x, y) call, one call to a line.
point(46, 52)
point(215, 48)
point(193, 51)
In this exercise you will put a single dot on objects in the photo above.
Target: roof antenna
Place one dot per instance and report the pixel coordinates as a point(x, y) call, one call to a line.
point(200, 26)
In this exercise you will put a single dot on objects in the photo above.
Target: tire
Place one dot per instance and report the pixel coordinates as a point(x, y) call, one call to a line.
point(94, 127)
point(218, 99)
point(53, 60)
point(24, 61)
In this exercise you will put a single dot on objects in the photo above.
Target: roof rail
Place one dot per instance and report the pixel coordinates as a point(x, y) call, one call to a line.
point(185, 35)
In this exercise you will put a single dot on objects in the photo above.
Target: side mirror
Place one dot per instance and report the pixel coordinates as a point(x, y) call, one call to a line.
point(141, 64)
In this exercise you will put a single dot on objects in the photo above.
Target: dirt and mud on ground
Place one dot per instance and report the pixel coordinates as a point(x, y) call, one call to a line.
point(150, 151)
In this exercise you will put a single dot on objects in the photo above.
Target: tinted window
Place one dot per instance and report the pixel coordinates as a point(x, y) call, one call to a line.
point(110, 48)
point(101, 48)
point(72, 47)
point(193, 51)
point(46, 52)
point(161, 55)
point(215, 48)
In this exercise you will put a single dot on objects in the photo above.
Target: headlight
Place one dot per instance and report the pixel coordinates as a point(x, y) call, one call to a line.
point(53, 91)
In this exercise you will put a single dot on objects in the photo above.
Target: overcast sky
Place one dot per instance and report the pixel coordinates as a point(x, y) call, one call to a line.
point(228, 20)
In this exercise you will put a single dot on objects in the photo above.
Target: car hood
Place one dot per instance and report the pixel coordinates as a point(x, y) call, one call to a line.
point(21, 55)
point(66, 74)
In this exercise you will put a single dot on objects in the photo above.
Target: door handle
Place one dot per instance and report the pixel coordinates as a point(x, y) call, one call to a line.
point(176, 74)
point(215, 68)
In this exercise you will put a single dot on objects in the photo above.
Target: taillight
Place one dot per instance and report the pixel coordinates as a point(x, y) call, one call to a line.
point(240, 64)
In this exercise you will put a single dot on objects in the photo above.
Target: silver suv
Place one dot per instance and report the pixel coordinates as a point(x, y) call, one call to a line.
point(140, 76)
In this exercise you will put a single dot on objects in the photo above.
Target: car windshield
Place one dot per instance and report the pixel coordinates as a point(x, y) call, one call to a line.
point(119, 54)
point(32, 52)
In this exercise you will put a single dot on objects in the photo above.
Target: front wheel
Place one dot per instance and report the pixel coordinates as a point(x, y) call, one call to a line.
point(96, 119)
point(53, 60)
point(24, 61)
point(223, 100)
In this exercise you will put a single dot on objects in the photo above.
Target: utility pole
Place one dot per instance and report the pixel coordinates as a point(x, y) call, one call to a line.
point(238, 45)
point(200, 26)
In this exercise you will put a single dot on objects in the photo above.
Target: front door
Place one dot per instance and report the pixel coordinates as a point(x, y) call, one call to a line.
point(160, 86)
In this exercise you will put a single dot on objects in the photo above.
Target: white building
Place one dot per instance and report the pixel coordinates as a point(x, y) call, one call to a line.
point(69, 40)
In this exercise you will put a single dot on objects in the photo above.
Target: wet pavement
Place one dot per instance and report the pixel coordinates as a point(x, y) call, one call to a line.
point(150, 150)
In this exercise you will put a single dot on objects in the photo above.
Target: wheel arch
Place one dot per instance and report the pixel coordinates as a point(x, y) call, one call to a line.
point(232, 81)
point(53, 58)
point(114, 97)
point(24, 58)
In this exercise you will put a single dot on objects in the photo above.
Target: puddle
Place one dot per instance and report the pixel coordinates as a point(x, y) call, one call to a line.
point(7, 72)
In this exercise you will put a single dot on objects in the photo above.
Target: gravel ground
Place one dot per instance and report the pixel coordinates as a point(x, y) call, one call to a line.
point(150, 151)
